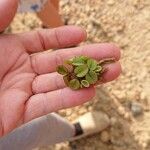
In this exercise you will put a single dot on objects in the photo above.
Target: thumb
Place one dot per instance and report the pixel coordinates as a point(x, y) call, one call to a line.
point(8, 10)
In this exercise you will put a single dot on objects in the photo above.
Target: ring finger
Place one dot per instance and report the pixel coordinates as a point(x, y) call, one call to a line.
point(54, 81)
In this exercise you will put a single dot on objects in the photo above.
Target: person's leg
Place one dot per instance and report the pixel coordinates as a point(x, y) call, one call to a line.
point(49, 14)
point(43, 131)
point(55, 3)
point(52, 129)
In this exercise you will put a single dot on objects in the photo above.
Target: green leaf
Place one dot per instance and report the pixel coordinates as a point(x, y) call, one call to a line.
point(98, 69)
point(92, 64)
point(91, 77)
point(78, 61)
point(74, 84)
point(62, 70)
point(85, 83)
point(81, 71)
point(85, 58)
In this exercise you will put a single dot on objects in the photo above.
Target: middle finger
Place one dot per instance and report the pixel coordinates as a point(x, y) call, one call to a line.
point(46, 62)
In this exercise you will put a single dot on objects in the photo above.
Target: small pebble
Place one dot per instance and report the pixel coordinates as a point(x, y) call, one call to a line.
point(127, 116)
point(136, 109)
point(110, 2)
point(105, 136)
point(143, 95)
point(121, 110)
point(144, 145)
point(113, 121)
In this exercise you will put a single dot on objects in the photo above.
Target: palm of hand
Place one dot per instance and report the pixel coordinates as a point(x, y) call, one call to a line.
point(16, 77)
point(29, 85)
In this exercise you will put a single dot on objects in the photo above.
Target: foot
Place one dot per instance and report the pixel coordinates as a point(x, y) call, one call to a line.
point(90, 123)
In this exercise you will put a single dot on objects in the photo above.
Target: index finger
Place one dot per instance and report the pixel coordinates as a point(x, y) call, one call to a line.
point(46, 62)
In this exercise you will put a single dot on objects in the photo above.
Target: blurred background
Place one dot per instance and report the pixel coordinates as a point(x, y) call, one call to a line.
point(126, 100)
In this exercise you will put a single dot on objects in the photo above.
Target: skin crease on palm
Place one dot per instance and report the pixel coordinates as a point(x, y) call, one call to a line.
point(29, 84)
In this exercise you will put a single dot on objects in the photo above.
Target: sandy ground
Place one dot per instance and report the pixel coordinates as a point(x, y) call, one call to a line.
point(127, 100)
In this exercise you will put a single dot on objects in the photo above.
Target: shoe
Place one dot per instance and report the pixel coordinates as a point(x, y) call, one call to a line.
point(90, 123)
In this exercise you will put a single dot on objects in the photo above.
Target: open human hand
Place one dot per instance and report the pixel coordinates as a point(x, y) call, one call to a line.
point(30, 87)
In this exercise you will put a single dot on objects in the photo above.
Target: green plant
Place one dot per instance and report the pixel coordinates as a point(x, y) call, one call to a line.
point(82, 71)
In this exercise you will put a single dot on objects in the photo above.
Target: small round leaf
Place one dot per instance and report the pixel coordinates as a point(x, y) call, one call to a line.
point(91, 77)
point(74, 84)
point(98, 69)
point(62, 70)
point(92, 64)
point(78, 61)
point(85, 83)
point(81, 71)
point(85, 58)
